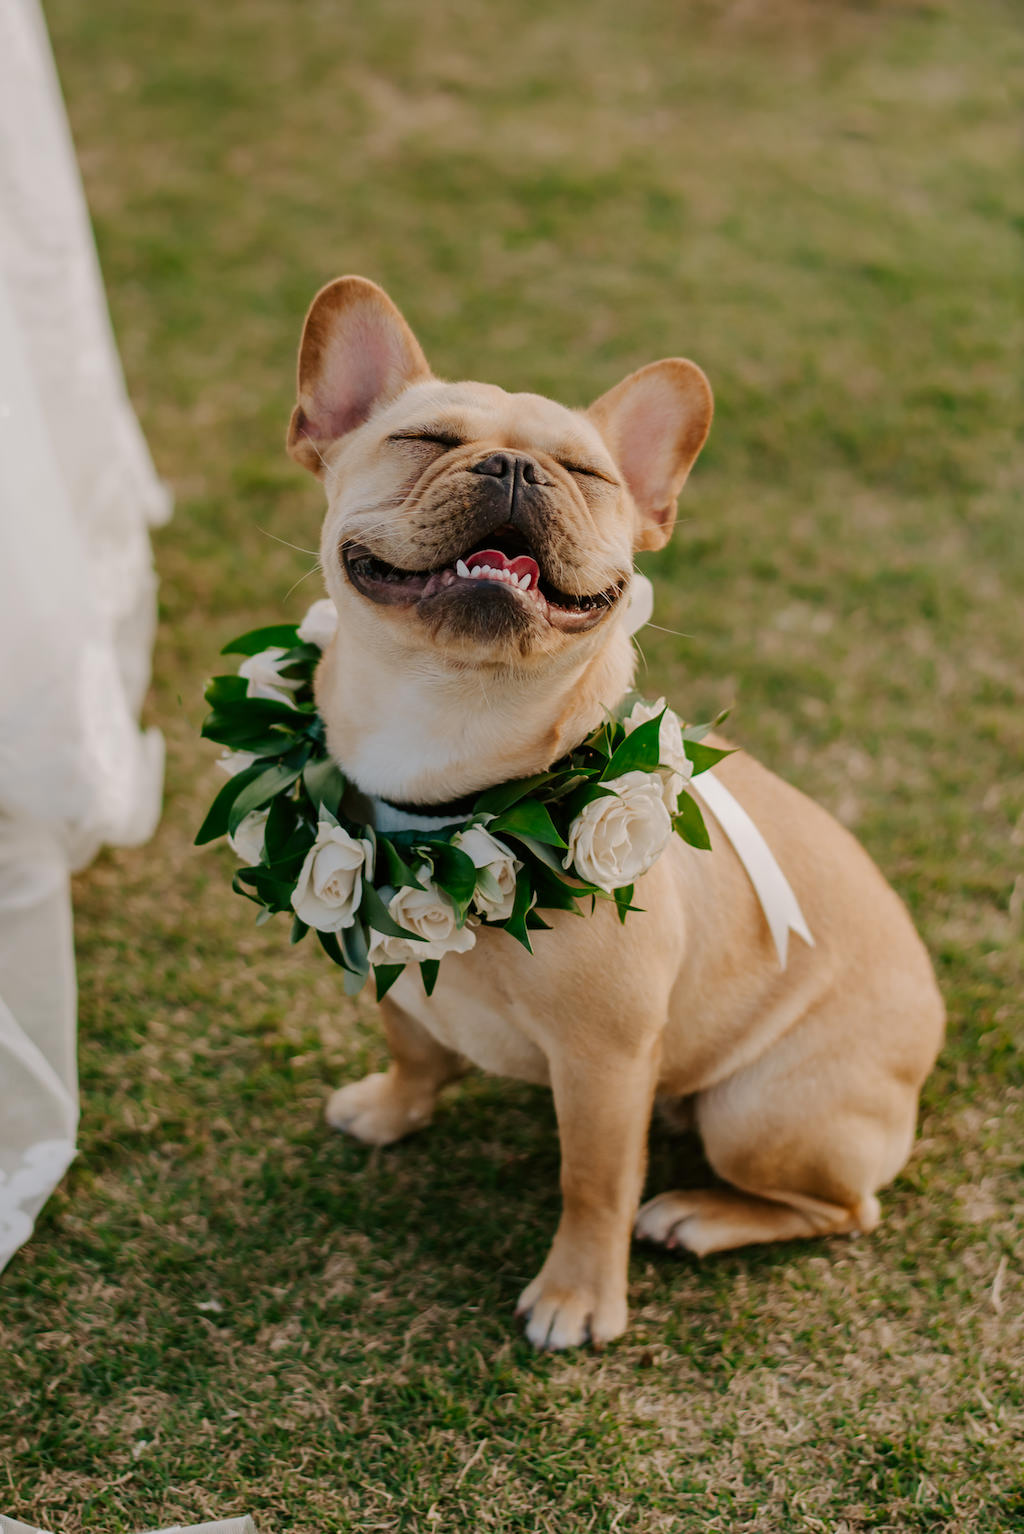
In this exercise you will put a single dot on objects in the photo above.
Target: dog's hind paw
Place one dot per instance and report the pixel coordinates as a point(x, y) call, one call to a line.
point(715, 1220)
point(377, 1110)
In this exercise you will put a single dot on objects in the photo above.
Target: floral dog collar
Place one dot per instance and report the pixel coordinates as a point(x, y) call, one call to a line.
point(381, 894)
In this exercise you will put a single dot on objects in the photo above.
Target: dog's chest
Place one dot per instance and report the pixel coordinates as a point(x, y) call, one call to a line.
point(473, 1022)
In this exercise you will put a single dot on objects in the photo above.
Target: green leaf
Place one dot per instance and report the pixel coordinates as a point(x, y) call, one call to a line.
point(455, 873)
point(225, 689)
point(301, 657)
point(689, 822)
point(282, 635)
point(352, 982)
point(528, 818)
point(329, 943)
point(549, 856)
point(623, 897)
point(553, 894)
point(288, 865)
point(240, 887)
point(604, 739)
point(216, 822)
point(263, 727)
point(374, 911)
point(299, 930)
point(273, 892)
point(561, 784)
point(516, 924)
point(352, 979)
point(258, 714)
point(398, 870)
point(698, 731)
point(355, 947)
point(639, 752)
point(494, 800)
point(536, 923)
point(240, 737)
point(428, 974)
point(272, 780)
point(705, 757)
point(324, 783)
point(385, 976)
point(487, 885)
point(282, 824)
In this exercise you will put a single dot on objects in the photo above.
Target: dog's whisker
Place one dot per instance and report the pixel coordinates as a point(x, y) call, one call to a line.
point(661, 629)
point(296, 546)
point(305, 577)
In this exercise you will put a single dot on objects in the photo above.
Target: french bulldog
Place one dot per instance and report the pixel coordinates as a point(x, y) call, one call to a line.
point(444, 678)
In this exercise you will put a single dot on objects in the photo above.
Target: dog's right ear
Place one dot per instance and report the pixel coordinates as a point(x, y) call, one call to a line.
point(356, 352)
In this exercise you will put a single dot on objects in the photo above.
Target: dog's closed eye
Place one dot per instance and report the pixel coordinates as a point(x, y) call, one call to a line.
point(587, 471)
point(445, 439)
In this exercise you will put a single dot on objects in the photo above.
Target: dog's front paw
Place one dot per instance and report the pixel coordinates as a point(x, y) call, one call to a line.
point(377, 1110)
point(568, 1315)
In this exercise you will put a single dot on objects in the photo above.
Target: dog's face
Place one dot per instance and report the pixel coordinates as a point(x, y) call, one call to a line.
point(497, 528)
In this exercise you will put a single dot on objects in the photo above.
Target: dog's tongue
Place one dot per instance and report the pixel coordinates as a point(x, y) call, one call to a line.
point(520, 566)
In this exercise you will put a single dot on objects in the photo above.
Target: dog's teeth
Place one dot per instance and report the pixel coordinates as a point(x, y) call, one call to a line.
point(525, 579)
point(461, 568)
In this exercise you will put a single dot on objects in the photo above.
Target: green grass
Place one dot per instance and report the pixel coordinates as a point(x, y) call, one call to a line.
point(229, 1309)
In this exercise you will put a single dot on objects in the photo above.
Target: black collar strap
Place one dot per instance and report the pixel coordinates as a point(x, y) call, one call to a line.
point(459, 809)
point(449, 809)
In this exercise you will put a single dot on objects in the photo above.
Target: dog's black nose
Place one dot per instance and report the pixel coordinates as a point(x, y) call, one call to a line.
point(510, 466)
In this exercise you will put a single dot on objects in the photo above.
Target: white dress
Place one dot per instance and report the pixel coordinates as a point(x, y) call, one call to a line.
point(77, 611)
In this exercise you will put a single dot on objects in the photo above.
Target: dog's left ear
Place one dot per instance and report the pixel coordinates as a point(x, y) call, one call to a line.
point(356, 353)
point(655, 423)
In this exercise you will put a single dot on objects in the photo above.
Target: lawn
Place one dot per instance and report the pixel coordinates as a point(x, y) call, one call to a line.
point(228, 1308)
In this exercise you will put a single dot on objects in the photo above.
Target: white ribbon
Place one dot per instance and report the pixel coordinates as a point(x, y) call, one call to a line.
point(781, 908)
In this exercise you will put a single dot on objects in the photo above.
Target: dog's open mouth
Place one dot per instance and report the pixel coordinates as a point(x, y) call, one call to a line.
point(504, 565)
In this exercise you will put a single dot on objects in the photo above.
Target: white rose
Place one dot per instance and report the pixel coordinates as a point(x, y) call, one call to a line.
point(248, 840)
point(263, 674)
point(234, 762)
point(615, 839)
point(427, 912)
point(497, 868)
point(671, 751)
point(330, 884)
point(320, 624)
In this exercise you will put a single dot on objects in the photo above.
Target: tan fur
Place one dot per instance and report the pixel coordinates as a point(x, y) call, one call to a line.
point(804, 1082)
